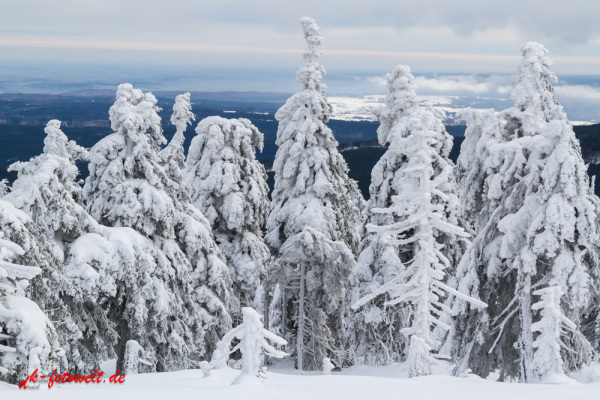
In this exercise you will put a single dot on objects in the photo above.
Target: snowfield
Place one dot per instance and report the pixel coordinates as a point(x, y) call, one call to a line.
point(358, 383)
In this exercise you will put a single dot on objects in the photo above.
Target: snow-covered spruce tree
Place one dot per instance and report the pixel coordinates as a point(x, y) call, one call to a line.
point(374, 329)
point(163, 279)
point(541, 231)
point(28, 340)
point(46, 189)
point(311, 225)
point(484, 128)
point(172, 156)
point(210, 278)
point(477, 211)
point(412, 236)
point(229, 186)
point(48, 288)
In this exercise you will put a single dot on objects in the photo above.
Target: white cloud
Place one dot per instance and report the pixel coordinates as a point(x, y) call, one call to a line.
point(504, 89)
point(453, 84)
point(457, 84)
point(581, 92)
point(492, 85)
point(377, 80)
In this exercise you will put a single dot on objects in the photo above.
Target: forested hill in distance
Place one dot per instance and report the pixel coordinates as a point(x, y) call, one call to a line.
point(85, 120)
point(362, 156)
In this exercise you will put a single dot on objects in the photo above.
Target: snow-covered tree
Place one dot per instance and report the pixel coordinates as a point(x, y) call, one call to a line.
point(374, 330)
point(210, 278)
point(172, 156)
point(252, 344)
point(47, 190)
point(540, 230)
point(477, 212)
point(311, 227)
point(275, 311)
point(484, 128)
point(169, 283)
point(412, 236)
point(48, 289)
point(28, 340)
point(229, 186)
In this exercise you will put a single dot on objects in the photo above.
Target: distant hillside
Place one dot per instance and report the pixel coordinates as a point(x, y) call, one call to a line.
point(362, 156)
point(85, 120)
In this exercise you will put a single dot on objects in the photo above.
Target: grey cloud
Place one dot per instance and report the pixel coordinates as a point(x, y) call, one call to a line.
point(555, 21)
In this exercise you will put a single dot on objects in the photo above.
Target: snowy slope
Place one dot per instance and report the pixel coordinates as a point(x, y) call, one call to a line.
point(357, 383)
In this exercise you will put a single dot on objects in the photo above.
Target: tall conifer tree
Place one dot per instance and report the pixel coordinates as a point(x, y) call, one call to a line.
point(311, 227)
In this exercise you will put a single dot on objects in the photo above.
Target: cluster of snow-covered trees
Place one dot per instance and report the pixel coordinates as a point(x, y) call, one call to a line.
point(491, 264)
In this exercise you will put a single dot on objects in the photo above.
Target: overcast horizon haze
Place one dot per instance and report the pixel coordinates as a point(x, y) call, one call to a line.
point(453, 48)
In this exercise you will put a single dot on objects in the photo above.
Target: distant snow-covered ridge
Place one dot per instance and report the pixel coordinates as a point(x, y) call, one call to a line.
point(347, 108)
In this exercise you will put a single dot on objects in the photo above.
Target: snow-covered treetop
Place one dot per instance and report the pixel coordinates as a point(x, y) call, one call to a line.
point(135, 111)
point(173, 156)
point(402, 114)
point(310, 173)
point(57, 143)
point(533, 90)
point(56, 146)
point(47, 190)
point(181, 117)
point(228, 184)
point(311, 72)
point(127, 185)
point(182, 112)
point(401, 97)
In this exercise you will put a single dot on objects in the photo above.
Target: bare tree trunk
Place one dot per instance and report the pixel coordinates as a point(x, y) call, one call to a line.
point(123, 336)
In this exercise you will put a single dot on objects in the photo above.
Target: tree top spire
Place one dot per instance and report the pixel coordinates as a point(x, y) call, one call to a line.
point(534, 90)
point(311, 72)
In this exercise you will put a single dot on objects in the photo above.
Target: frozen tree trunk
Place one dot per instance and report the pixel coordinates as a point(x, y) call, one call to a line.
point(124, 336)
point(266, 301)
point(547, 363)
point(301, 320)
point(526, 341)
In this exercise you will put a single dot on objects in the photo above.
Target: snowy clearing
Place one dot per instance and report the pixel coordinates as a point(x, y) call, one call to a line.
point(353, 383)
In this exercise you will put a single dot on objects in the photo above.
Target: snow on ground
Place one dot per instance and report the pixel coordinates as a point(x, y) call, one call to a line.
point(576, 123)
point(355, 108)
point(356, 383)
point(361, 108)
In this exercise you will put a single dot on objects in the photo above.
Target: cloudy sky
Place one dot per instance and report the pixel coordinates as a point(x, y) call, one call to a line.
point(432, 36)
point(364, 39)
